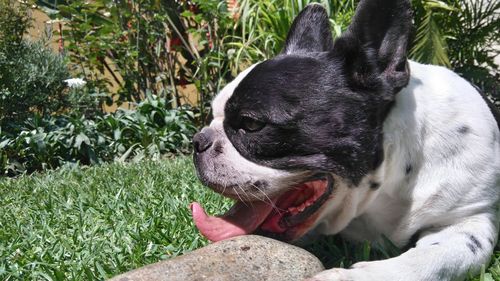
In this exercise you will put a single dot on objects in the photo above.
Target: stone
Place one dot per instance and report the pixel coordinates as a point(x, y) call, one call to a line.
point(243, 258)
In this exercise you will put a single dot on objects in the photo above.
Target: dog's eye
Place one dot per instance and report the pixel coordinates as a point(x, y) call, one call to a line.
point(251, 125)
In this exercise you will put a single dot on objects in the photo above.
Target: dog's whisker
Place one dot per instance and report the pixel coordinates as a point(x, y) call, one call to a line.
point(267, 200)
point(239, 184)
point(244, 194)
point(241, 188)
point(224, 189)
point(239, 196)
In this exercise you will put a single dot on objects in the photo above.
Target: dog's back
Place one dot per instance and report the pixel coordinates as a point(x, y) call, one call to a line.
point(442, 159)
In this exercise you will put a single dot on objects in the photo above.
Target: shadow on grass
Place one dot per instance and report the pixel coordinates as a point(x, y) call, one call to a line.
point(334, 251)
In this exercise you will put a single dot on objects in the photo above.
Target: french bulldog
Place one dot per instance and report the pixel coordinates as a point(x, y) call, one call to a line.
point(349, 136)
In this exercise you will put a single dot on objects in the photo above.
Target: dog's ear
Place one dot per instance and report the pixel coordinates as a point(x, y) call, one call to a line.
point(310, 32)
point(375, 45)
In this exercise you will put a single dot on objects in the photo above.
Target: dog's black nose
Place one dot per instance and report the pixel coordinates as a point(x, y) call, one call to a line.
point(203, 140)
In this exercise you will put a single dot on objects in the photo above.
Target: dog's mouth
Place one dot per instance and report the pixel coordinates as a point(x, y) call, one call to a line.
point(287, 217)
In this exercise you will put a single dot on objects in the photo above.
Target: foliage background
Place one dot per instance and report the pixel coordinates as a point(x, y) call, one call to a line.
point(207, 42)
point(154, 49)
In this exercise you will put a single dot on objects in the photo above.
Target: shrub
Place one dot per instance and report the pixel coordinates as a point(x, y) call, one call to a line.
point(31, 80)
point(158, 47)
point(86, 100)
point(145, 45)
point(31, 76)
point(49, 142)
point(204, 42)
point(149, 130)
point(14, 20)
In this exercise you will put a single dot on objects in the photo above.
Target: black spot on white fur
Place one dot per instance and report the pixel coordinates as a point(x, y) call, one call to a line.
point(218, 148)
point(464, 129)
point(476, 242)
point(374, 185)
point(472, 248)
point(408, 169)
point(261, 184)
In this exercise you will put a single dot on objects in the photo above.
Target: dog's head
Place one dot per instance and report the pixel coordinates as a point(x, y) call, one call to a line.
point(288, 130)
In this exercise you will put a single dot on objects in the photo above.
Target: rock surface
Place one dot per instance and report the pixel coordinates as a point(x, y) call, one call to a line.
point(243, 258)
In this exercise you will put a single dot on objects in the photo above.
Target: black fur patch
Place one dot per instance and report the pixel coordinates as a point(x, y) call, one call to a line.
point(324, 106)
point(328, 129)
point(310, 32)
point(413, 240)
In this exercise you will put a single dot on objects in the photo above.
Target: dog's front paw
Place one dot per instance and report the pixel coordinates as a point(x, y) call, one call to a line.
point(335, 274)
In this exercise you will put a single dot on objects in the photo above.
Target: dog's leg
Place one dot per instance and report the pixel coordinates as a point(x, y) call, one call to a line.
point(447, 253)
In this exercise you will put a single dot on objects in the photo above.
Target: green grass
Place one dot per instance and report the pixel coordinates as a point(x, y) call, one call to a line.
point(93, 223)
point(98, 222)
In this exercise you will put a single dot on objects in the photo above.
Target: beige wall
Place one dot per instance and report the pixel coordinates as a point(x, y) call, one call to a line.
point(39, 28)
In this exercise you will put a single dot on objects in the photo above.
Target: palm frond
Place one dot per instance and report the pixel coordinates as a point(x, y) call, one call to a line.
point(429, 45)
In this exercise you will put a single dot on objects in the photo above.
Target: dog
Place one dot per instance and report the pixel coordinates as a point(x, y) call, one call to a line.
point(350, 137)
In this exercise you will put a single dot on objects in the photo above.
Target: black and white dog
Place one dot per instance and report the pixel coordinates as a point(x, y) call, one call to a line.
point(350, 137)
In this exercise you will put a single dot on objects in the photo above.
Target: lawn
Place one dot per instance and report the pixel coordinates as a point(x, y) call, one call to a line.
point(93, 223)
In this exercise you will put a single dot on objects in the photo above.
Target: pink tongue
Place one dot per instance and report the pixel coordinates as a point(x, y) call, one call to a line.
point(241, 219)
